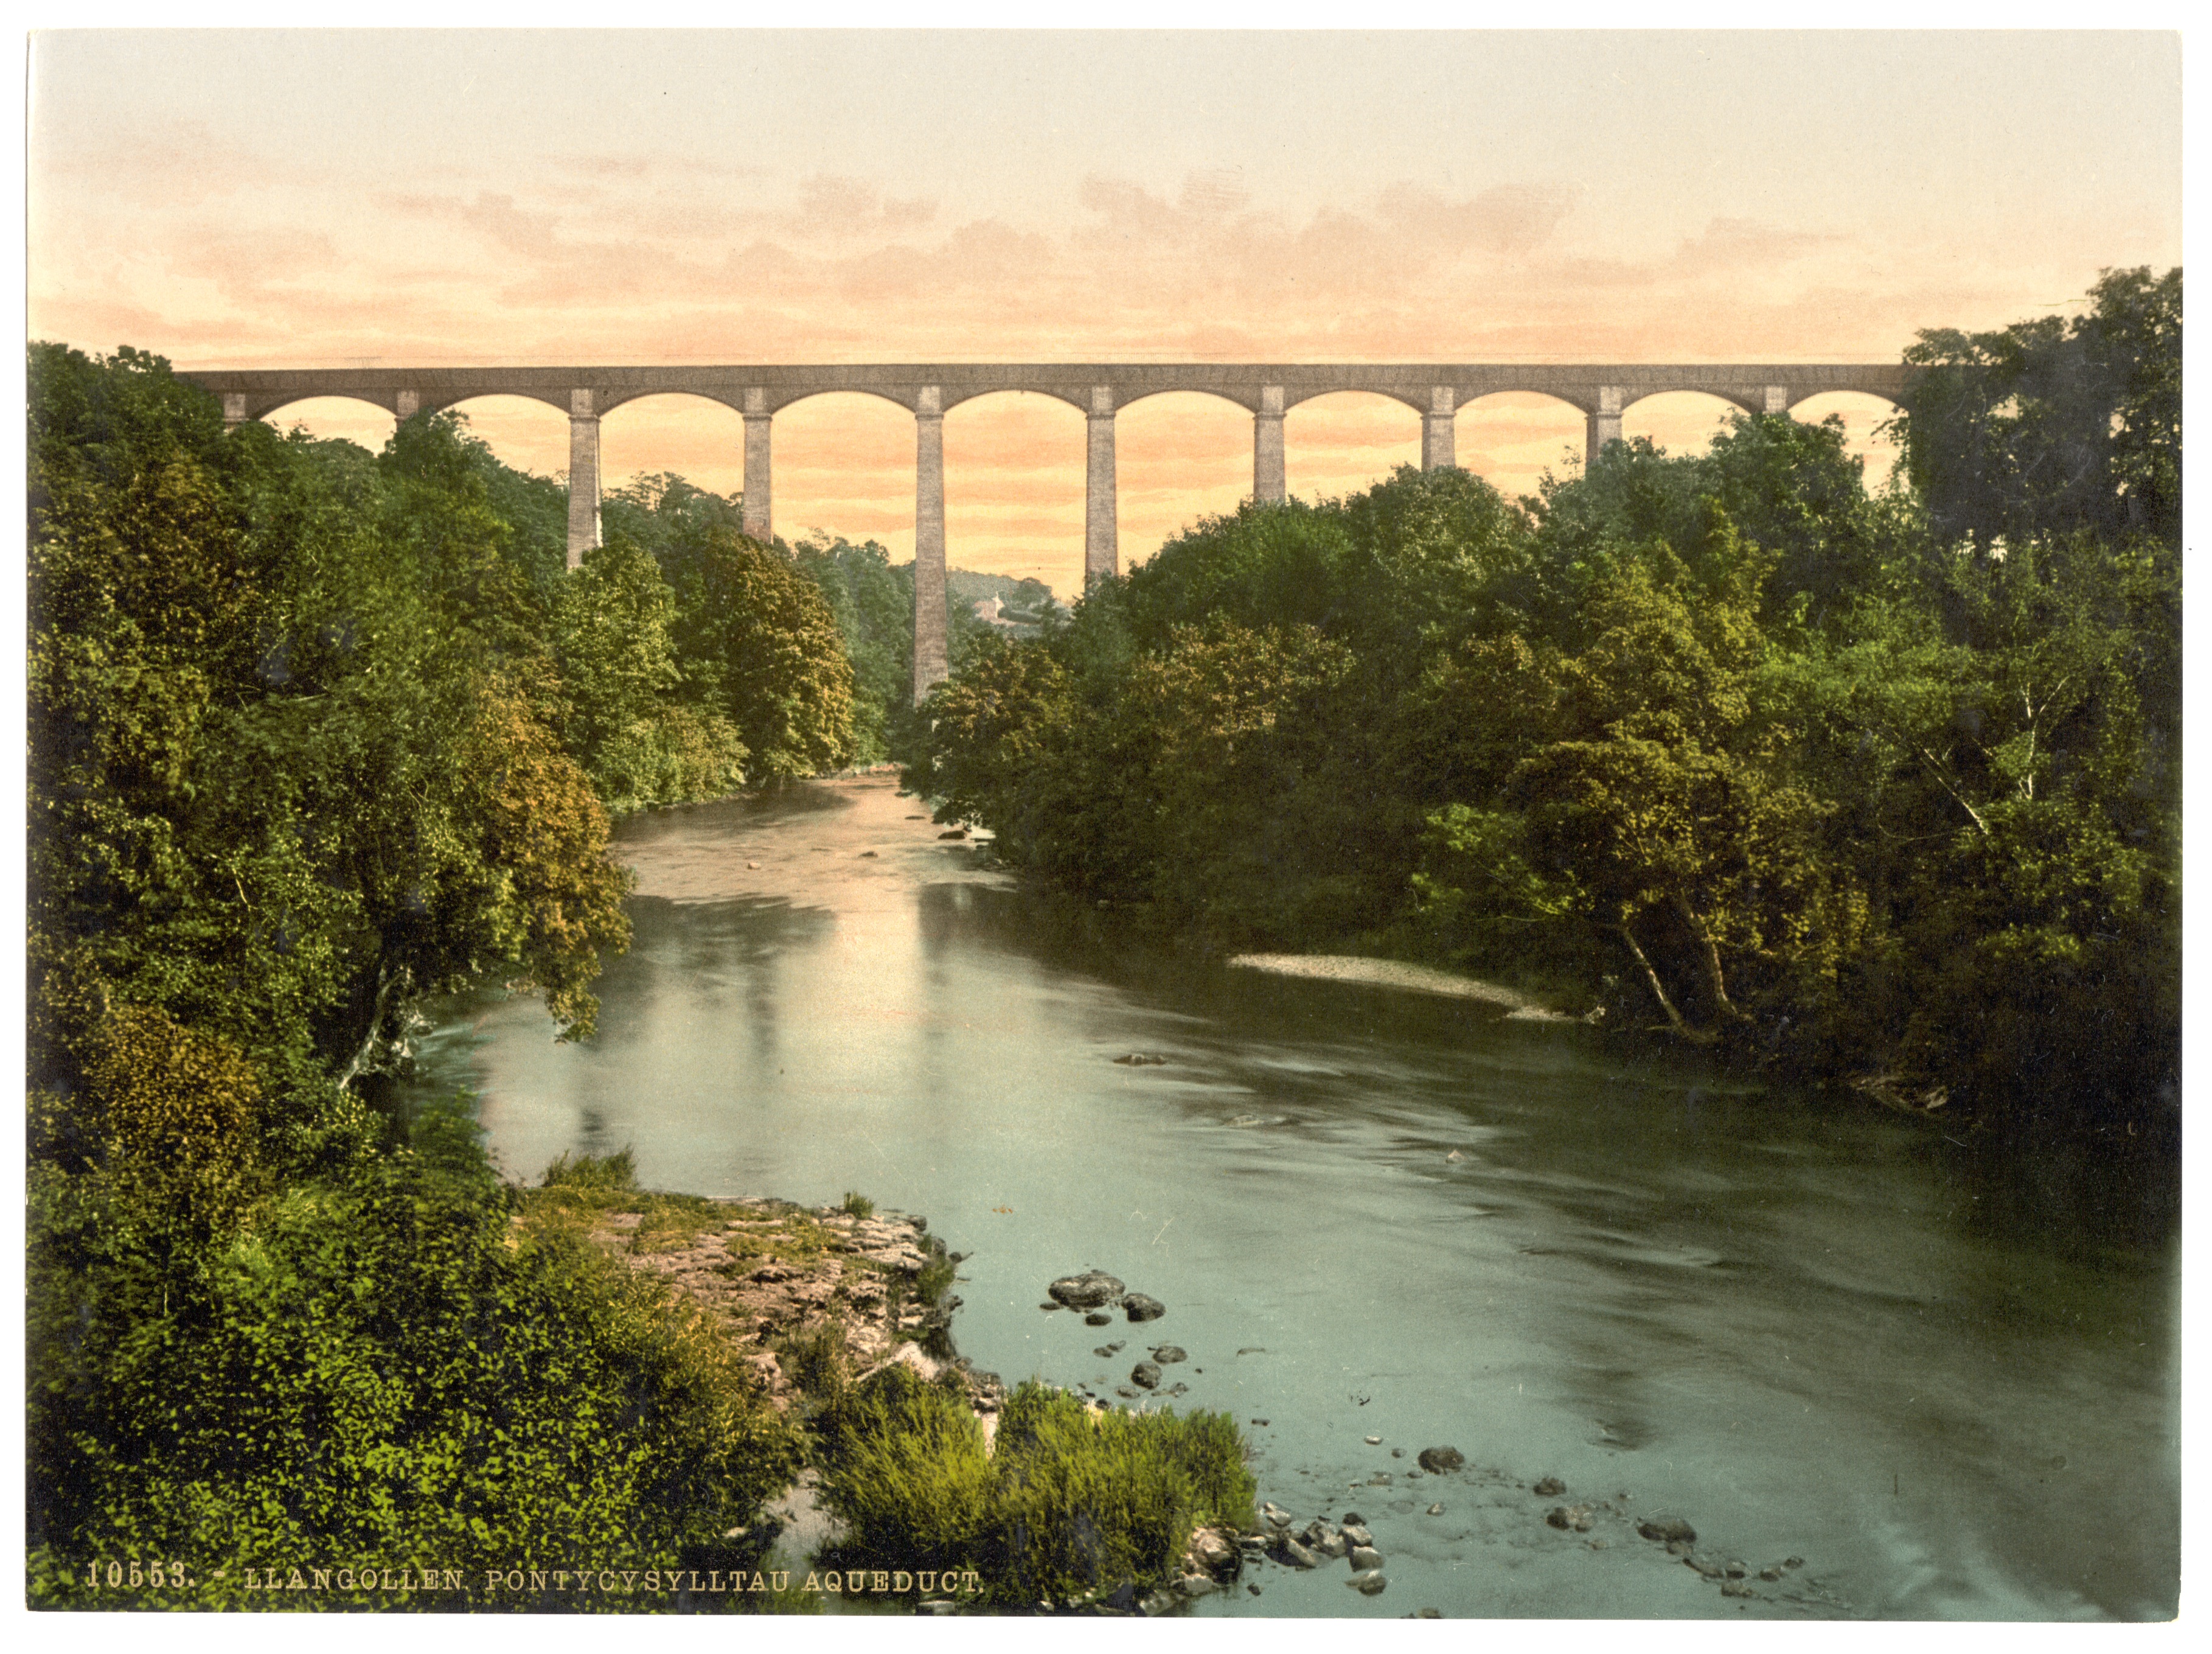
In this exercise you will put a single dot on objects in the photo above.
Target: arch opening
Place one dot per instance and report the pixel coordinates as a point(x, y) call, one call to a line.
point(1862, 412)
point(336, 418)
point(1683, 422)
point(524, 433)
point(695, 437)
point(1510, 439)
point(1015, 468)
point(1181, 455)
point(844, 464)
point(1347, 441)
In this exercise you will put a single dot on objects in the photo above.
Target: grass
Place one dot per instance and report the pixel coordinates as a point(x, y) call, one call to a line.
point(858, 1206)
point(1073, 1502)
point(577, 1192)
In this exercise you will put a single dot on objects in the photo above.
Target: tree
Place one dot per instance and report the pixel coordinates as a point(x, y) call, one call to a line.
point(2053, 426)
point(762, 649)
point(613, 625)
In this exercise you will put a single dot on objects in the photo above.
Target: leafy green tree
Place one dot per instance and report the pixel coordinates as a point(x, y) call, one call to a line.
point(612, 624)
point(873, 605)
point(2053, 426)
point(762, 649)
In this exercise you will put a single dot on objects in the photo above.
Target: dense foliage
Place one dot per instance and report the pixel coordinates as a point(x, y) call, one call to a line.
point(693, 538)
point(315, 731)
point(1726, 745)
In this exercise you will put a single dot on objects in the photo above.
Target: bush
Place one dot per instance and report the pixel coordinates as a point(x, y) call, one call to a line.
point(381, 1368)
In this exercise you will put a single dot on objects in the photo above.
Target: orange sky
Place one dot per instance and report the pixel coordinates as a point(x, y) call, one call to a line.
point(296, 198)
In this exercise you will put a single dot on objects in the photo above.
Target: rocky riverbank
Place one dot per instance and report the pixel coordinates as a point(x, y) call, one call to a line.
point(790, 1286)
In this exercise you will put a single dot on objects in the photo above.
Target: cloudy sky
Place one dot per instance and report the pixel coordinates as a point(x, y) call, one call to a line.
point(301, 198)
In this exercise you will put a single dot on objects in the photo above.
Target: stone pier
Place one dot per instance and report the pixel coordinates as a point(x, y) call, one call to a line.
point(583, 477)
point(758, 520)
point(1440, 429)
point(930, 667)
point(1268, 475)
point(1603, 425)
point(1102, 539)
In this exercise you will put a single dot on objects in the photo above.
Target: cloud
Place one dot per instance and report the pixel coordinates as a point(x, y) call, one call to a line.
point(1509, 220)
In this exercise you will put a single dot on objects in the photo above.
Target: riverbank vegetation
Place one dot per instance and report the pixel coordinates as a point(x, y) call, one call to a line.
point(1838, 782)
point(314, 733)
point(1069, 1503)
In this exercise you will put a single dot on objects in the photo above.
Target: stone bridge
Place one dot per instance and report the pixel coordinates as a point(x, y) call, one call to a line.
point(1435, 392)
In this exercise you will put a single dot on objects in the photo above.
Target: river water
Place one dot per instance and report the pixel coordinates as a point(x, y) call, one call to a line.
point(1794, 1322)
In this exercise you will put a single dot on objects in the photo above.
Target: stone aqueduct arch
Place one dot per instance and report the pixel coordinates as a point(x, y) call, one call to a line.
point(1099, 391)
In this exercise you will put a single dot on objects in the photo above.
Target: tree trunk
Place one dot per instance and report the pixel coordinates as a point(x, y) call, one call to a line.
point(1710, 957)
point(1701, 1036)
point(385, 984)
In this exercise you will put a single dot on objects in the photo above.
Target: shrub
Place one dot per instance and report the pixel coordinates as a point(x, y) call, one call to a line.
point(384, 1367)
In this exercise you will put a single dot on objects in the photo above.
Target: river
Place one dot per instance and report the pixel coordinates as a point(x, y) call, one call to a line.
point(1372, 1212)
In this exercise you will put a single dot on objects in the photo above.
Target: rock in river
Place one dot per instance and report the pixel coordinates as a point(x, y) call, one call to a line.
point(1145, 1374)
point(1368, 1582)
point(1141, 1308)
point(1167, 1355)
point(1438, 1460)
point(1098, 1318)
point(1296, 1554)
point(1550, 1487)
point(1365, 1557)
point(1142, 1060)
point(1665, 1529)
point(1088, 1291)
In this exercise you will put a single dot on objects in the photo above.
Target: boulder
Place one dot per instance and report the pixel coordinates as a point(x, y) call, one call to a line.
point(1296, 1554)
point(1145, 1375)
point(1167, 1355)
point(1667, 1528)
point(1437, 1460)
point(1354, 1533)
point(1365, 1557)
point(1090, 1290)
point(1210, 1549)
point(1550, 1487)
point(1368, 1582)
point(1141, 1308)
point(1098, 1318)
point(1573, 1518)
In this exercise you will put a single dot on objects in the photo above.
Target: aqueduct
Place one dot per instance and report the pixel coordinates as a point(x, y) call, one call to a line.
point(1435, 392)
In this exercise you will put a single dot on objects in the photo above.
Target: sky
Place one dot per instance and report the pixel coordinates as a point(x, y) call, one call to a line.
point(300, 198)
